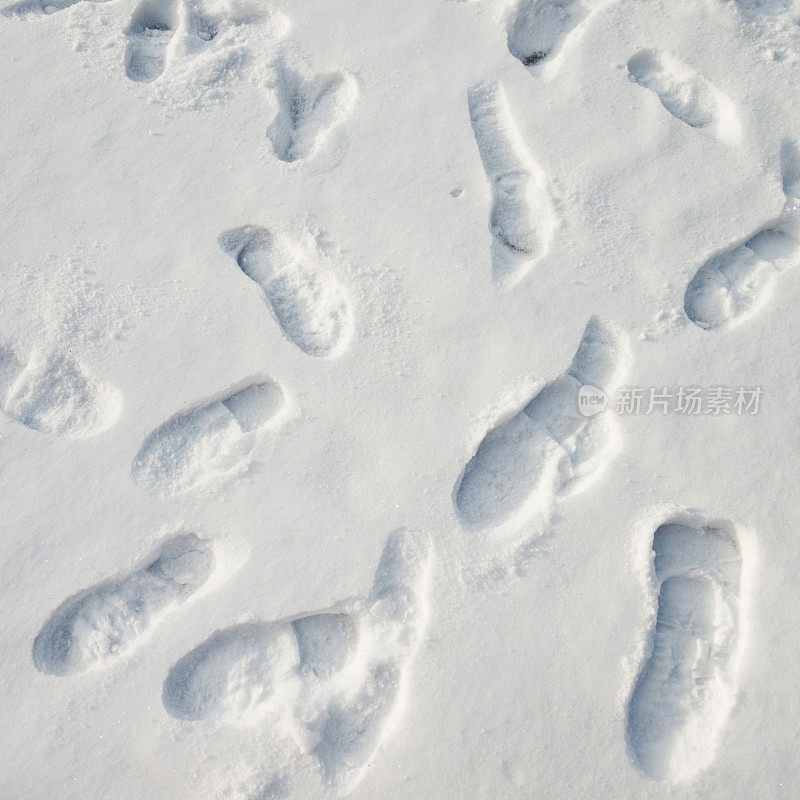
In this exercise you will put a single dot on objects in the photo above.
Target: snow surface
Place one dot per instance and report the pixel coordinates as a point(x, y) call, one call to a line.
point(297, 301)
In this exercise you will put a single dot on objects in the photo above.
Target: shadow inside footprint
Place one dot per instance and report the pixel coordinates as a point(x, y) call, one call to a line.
point(687, 95)
point(310, 108)
point(523, 219)
point(150, 31)
point(536, 29)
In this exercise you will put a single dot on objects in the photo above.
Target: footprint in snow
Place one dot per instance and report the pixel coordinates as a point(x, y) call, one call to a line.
point(208, 445)
point(539, 31)
point(51, 393)
point(523, 219)
point(40, 8)
point(104, 623)
point(195, 45)
point(734, 285)
point(298, 283)
point(310, 109)
point(331, 681)
point(688, 96)
point(148, 37)
point(688, 683)
point(549, 447)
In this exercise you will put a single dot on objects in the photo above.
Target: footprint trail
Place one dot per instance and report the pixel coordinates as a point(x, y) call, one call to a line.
point(688, 96)
point(206, 446)
point(734, 285)
point(105, 622)
point(332, 682)
point(687, 687)
point(550, 447)
point(297, 280)
point(50, 393)
point(523, 220)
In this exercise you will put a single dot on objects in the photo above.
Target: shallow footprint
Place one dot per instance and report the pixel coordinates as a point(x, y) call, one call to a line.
point(734, 285)
point(105, 622)
point(538, 29)
point(549, 447)
point(688, 96)
point(310, 108)
point(687, 687)
point(208, 445)
point(305, 295)
point(52, 394)
point(148, 35)
point(523, 219)
point(40, 8)
point(330, 681)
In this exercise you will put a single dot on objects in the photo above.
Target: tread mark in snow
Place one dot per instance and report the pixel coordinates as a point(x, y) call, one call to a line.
point(687, 687)
point(688, 96)
point(102, 623)
point(331, 681)
point(52, 394)
point(549, 447)
point(523, 219)
point(209, 444)
point(734, 285)
point(306, 297)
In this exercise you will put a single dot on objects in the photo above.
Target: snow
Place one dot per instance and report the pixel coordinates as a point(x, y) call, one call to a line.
point(298, 304)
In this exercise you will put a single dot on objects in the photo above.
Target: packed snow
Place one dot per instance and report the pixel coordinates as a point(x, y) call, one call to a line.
point(400, 401)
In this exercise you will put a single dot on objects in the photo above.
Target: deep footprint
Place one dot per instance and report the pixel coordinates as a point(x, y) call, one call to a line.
point(208, 445)
point(688, 96)
point(549, 447)
point(330, 681)
point(523, 219)
point(105, 622)
point(306, 297)
point(538, 29)
point(733, 286)
point(150, 31)
point(688, 684)
point(310, 109)
point(52, 394)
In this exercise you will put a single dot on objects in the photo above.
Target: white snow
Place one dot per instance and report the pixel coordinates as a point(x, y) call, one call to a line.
point(313, 321)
